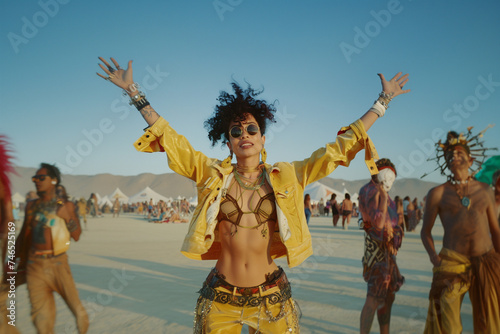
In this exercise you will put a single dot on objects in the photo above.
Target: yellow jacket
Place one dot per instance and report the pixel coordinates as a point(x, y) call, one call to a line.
point(288, 181)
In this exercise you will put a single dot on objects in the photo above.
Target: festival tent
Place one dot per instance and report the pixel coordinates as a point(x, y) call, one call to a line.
point(193, 200)
point(122, 198)
point(319, 191)
point(105, 200)
point(17, 198)
point(145, 195)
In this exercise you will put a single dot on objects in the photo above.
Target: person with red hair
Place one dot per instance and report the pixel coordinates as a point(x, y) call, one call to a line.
point(6, 221)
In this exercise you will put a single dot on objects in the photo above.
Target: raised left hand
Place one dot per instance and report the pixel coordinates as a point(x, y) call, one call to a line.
point(394, 87)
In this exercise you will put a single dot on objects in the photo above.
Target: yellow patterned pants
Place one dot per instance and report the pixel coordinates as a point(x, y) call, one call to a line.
point(265, 309)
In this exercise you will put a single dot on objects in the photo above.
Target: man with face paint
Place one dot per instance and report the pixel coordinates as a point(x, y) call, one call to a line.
point(383, 238)
point(469, 260)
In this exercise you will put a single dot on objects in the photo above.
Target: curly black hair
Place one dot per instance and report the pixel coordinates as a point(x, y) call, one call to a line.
point(236, 108)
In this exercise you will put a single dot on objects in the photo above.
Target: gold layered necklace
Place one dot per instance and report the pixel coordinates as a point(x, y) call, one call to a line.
point(248, 183)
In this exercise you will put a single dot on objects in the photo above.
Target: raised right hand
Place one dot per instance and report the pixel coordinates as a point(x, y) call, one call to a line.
point(121, 78)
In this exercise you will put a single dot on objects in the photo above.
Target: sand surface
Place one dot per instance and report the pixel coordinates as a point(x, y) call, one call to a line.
point(132, 278)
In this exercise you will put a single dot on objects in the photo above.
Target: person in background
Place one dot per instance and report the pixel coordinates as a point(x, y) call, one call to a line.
point(400, 211)
point(307, 207)
point(406, 203)
point(346, 211)
point(82, 210)
point(321, 207)
point(116, 208)
point(49, 224)
point(327, 208)
point(335, 209)
point(383, 238)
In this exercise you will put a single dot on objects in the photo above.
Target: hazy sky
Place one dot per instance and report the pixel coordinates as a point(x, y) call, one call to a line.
point(318, 59)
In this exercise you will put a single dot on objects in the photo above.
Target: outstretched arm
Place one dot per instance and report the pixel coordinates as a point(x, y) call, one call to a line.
point(124, 79)
point(431, 212)
point(391, 88)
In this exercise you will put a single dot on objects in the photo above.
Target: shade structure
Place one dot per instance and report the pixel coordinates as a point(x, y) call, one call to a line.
point(319, 191)
point(17, 198)
point(122, 198)
point(145, 195)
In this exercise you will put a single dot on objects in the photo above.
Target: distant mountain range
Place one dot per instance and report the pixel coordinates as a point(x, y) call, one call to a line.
point(174, 185)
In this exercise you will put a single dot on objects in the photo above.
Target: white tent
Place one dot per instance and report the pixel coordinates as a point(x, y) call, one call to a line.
point(17, 199)
point(145, 195)
point(105, 200)
point(122, 198)
point(193, 200)
point(319, 191)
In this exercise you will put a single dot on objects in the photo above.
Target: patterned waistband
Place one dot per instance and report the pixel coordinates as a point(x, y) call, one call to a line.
point(44, 255)
point(246, 296)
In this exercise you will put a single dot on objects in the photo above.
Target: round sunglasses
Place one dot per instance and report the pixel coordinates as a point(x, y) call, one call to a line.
point(237, 130)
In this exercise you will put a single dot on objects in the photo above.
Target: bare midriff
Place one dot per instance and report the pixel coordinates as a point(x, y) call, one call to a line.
point(245, 258)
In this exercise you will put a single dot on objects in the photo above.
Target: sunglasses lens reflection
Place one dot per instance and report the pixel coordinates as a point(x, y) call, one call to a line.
point(236, 132)
point(252, 129)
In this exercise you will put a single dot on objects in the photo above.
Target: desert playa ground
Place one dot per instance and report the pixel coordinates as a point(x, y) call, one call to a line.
point(132, 278)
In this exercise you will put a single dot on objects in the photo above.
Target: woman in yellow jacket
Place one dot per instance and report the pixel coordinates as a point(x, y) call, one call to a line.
point(249, 212)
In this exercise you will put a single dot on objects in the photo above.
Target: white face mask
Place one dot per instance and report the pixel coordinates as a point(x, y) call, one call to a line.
point(386, 177)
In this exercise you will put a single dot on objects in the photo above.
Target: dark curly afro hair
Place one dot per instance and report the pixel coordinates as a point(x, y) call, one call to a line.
point(236, 108)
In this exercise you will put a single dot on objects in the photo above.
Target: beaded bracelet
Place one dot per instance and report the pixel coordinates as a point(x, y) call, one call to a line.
point(384, 99)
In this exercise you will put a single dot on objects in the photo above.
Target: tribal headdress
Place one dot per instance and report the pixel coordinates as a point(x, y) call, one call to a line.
point(472, 144)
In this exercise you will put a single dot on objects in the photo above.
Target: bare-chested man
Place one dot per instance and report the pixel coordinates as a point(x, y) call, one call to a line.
point(49, 223)
point(470, 259)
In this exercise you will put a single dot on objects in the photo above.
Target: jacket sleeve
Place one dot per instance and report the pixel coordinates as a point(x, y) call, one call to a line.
point(182, 158)
point(350, 140)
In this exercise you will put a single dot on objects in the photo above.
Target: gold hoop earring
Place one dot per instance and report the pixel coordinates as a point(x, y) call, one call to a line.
point(226, 163)
point(263, 153)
